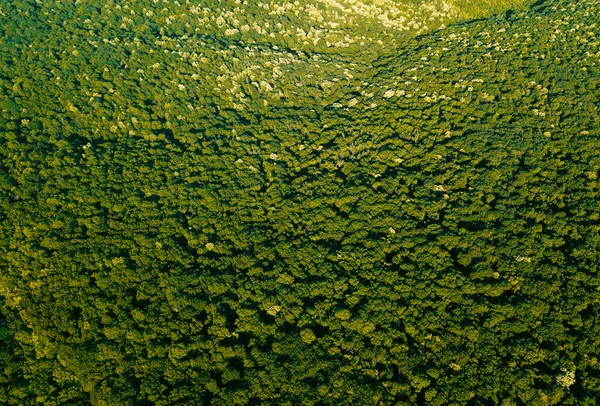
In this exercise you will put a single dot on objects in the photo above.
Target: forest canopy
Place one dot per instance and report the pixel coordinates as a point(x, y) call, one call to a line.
point(286, 203)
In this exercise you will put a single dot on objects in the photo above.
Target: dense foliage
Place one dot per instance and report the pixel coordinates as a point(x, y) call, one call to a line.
point(190, 217)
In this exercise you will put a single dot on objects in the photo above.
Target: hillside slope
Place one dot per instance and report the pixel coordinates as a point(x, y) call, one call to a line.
point(189, 218)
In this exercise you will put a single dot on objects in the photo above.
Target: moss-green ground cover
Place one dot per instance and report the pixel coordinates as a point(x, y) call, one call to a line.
point(194, 216)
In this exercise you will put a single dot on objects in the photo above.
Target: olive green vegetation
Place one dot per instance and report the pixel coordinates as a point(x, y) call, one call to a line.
point(467, 9)
point(193, 218)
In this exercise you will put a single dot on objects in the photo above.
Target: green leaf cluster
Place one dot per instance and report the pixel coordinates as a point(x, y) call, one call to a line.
point(191, 217)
